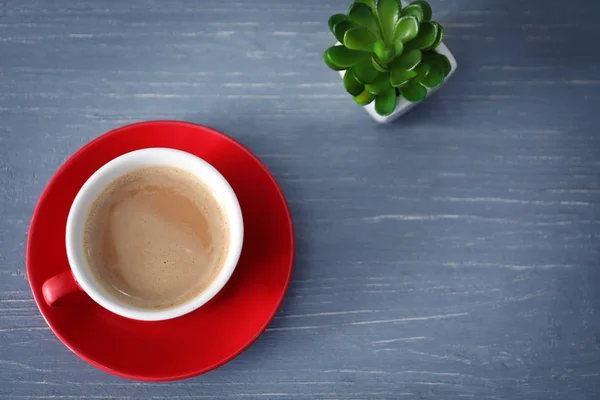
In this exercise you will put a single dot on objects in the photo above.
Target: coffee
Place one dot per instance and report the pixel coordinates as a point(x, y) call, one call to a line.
point(156, 237)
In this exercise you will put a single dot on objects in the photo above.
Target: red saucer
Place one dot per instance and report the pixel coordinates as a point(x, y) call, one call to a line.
point(206, 338)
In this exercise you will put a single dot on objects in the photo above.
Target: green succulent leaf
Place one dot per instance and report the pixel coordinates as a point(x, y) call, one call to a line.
point(406, 29)
point(439, 37)
point(407, 61)
point(331, 64)
point(400, 77)
point(385, 102)
point(345, 58)
point(364, 98)
point(413, 92)
point(340, 29)
point(336, 19)
point(378, 66)
point(439, 67)
point(352, 85)
point(425, 7)
point(446, 64)
point(365, 72)
point(359, 39)
point(385, 56)
point(380, 84)
point(427, 37)
point(361, 14)
point(383, 53)
point(413, 10)
point(419, 9)
point(434, 78)
point(437, 60)
point(388, 12)
point(398, 48)
point(379, 48)
point(422, 70)
point(370, 3)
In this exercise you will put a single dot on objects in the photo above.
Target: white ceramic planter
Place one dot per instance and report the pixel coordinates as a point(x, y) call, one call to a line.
point(402, 105)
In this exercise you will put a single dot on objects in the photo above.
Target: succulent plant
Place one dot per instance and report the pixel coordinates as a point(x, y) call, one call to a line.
point(387, 51)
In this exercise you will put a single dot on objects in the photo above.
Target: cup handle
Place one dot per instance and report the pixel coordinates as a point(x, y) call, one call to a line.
point(58, 287)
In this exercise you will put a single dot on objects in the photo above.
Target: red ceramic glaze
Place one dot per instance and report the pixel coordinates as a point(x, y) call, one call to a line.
point(206, 338)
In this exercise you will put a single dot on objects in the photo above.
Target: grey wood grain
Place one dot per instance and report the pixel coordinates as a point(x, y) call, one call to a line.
point(453, 254)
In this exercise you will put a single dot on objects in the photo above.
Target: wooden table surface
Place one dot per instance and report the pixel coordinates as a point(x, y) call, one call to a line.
point(450, 255)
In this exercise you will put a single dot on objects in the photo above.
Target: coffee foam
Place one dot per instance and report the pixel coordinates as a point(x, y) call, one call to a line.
point(156, 237)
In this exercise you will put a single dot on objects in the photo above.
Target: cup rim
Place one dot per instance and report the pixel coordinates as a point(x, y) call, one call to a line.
point(80, 208)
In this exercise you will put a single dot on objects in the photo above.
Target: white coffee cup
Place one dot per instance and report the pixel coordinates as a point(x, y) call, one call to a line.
point(80, 276)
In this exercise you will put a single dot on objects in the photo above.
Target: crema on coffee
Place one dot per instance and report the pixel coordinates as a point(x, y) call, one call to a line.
point(156, 237)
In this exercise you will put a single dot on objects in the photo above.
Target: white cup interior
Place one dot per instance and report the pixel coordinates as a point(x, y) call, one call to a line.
point(94, 186)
